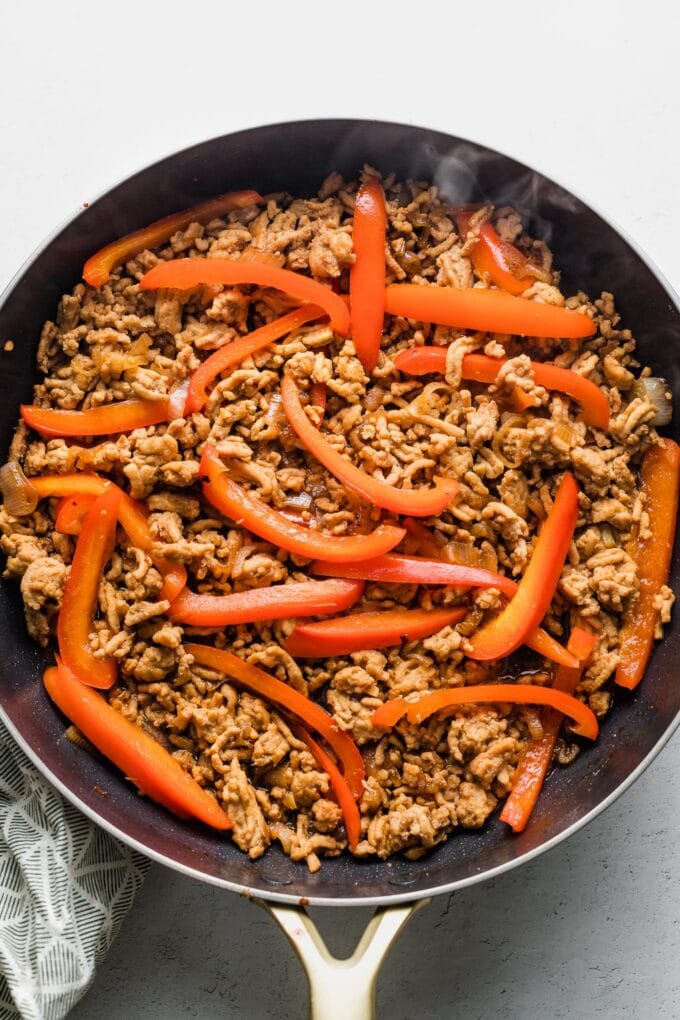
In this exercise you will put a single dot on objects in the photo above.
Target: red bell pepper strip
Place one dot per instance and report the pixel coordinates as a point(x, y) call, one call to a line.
point(479, 368)
point(134, 751)
point(394, 568)
point(653, 554)
point(133, 517)
point(359, 631)
point(546, 645)
point(71, 514)
point(79, 489)
point(367, 275)
point(278, 602)
point(72, 485)
point(244, 508)
point(496, 260)
point(76, 616)
point(234, 353)
point(521, 401)
point(491, 311)
point(581, 644)
point(509, 629)
point(346, 801)
point(185, 274)
point(105, 420)
point(535, 761)
point(279, 693)
point(98, 267)
point(389, 713)
point(416, 502)
point(482, 694)
point(423, 538)
point(318, 396)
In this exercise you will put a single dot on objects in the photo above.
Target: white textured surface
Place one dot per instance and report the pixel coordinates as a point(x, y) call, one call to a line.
point(591, 97)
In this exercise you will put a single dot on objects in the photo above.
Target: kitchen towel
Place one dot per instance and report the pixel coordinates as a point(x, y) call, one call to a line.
point(65, 888)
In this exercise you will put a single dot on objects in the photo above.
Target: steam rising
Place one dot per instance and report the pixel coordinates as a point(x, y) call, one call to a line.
point(590, 253)
point(461, 170)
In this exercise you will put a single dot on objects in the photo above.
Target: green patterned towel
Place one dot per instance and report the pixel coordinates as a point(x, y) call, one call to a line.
point(65, 888)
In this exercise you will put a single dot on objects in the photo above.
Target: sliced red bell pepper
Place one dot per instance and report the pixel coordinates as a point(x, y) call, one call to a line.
point(535, 762)
point(359, 631)
point(653, 554)
point(105, 420)
point(71, 514)
point(134, 751)
point(79, 489)
point(318, 396)
point(279, 693)
point(389, 713)
point(72, 485)
point(416, 502)
point(581, 644)
point(133, 517)
point(185, 274)
point(482, 694)
point(496, 260)
point(394, 568)
point(490, 311)
point(540, 641)
point(367, 275)
point(509, 629)
point(76, 616)
point(521, 401)
point(423, 539)
point(234, 353)
point(98, 267)
point(278, 602)
point(546, 645)
point(479, 368)
point(350, 811)
point(244, 508)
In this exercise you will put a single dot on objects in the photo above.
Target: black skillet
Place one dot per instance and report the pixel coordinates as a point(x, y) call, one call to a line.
point(593, 255)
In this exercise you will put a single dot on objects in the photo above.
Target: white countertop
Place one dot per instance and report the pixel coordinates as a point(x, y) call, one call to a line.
point(90, 94)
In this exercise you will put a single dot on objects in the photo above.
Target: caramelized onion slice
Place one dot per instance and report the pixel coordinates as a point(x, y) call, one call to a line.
point(19, 496)
point(658, 392)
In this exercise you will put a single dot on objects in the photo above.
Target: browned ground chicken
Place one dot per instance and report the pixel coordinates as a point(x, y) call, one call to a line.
point(119, 342)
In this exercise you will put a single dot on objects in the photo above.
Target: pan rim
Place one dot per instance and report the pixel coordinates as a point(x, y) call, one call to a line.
point(405, 896)
point(313, 900)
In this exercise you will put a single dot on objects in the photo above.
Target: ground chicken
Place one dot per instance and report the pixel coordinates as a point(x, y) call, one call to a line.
point(118, 342)
point(42, 588)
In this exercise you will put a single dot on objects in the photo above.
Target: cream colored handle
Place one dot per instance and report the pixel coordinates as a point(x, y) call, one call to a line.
point(342, 989)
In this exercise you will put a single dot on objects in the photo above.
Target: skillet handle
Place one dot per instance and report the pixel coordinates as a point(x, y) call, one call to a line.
point(340, 989)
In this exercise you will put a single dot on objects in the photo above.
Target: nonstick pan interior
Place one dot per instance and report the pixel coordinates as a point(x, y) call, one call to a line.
point(296, 157)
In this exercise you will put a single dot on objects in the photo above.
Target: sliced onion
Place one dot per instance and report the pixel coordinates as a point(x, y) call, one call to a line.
point(567, 434)
point(466, 555)
point(299, 501)
point(532, 717)
point(608, 537)
point(511, 421)
point(658, 392)
point(178, 399)
point(275, 415)
point(74, 736)
point(19, 496)
point(268, 258)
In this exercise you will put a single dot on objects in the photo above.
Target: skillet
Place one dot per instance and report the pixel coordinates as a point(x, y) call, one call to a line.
point(593, 255)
